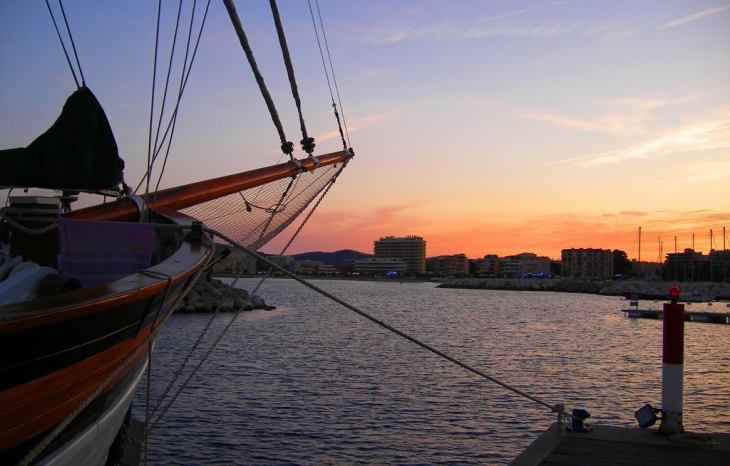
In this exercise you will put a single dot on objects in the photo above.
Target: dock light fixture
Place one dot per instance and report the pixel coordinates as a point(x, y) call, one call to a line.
point(647, 416)
point(674, 294)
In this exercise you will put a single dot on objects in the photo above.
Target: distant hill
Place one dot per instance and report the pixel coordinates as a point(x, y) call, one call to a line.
point(331, 258)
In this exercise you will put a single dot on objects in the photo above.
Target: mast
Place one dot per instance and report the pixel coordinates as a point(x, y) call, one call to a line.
point(676, 262)
point(639, 261)
point(711, 254)
point(693, 257)
point(659, 257)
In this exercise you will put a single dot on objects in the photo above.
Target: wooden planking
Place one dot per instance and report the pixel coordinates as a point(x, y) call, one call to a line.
point(580, 451)
point(607, 445)
point(53, 388)
point(24, 424)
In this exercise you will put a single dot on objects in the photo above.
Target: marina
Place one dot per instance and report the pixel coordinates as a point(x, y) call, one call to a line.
point(121, 345)
point(283, 390)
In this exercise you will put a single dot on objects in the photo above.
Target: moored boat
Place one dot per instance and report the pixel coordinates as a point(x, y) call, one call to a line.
point(84, 292)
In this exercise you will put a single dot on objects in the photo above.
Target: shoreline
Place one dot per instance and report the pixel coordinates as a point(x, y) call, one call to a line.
point(704, 291)
point(696, 291)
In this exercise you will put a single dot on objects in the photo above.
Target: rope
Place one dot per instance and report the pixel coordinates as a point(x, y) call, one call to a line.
point(4, 217)
point(185, 361)
point(195, 369)
point(99, 388)
point(553, 407)
point(299, 229)
point(170, 129)
point(162, 106)
point(152, 107)
point(278, 207)
point(63, 45)
point(307, 142)
point(73, 45)
point(286, 147)
point(183, 81)
point(215, 313)
point(332, 69)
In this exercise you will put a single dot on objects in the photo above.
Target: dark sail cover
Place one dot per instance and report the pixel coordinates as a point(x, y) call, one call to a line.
point(77, 153)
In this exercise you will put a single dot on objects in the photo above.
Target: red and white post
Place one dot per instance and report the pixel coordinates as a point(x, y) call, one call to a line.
point(673, 365)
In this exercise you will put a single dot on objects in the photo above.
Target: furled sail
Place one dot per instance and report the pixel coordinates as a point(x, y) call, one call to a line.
point(77, 153)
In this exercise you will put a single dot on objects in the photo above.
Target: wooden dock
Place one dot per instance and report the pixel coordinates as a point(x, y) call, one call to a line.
point(605, 445)
point(689, 316)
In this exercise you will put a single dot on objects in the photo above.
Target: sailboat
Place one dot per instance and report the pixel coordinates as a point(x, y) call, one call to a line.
point(84, 292)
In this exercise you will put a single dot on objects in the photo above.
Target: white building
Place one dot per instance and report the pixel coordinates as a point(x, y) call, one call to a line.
point(378, 266)
point(410, 249)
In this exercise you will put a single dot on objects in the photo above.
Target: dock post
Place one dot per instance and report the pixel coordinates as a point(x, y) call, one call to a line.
point(672, 365)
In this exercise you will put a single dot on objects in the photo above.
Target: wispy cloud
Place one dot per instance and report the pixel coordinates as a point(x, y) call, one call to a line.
point(710, 134)
point(513, 13)
point(687, 19)
point(617, 124)
point(705, 171)
point(396, 33)
point(358, 125)
point(368, 75)
point(622, 117)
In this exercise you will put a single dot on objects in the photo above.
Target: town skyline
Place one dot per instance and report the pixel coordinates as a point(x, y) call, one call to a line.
point(649, 246)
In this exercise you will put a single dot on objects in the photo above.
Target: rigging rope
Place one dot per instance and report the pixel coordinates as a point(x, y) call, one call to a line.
point(63, 45)
point(152, 107)
point(326, 73)
point(164, 98)
point(555, 408)
point(178, 372)
point(155, 150)
point(183, 82)
point(307, 142)
point(286, 147)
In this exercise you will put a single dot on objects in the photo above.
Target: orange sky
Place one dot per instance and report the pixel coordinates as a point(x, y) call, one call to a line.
point(544, 235)
point(483, 127)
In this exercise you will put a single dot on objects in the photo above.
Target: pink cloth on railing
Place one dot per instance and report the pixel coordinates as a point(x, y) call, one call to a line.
point(96, 252)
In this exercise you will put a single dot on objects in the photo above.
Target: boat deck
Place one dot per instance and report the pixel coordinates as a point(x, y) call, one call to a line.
point(606, 445)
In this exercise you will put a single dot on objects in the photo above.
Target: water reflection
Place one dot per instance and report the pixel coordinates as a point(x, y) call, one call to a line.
point(313, 383)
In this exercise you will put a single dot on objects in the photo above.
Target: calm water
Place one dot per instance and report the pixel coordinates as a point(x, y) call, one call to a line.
point(313, 383)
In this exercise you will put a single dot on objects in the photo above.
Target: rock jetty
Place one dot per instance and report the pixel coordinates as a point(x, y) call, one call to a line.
point(207, 296)
point(701, 291)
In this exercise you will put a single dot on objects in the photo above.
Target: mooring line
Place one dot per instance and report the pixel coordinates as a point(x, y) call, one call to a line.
point(555, 408)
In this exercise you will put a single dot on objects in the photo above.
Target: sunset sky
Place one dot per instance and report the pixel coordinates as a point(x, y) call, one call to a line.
point(486, 127)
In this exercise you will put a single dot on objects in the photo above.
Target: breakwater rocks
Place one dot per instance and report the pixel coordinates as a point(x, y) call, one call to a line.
point(705, 291)
point(207, 296)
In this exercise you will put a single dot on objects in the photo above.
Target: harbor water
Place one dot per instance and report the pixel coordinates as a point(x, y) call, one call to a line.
point(313, 383)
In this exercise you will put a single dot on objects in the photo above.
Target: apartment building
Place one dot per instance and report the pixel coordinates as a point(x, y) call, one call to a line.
point(489, 266)
point(524, 264)
point(410, 249)
point(448, 266)
point(685, 265)
point(377, 266)
point(587, 263)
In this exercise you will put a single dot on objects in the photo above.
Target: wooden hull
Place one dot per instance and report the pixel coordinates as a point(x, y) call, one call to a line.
point(55, 351)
